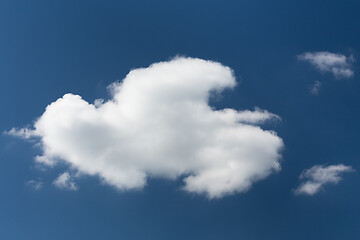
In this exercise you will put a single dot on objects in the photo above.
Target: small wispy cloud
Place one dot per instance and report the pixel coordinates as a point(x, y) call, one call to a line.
point(315, 88)
point(35, 184)
point(24, 133)
point(337, 64)
point(319, 175)
point(64, 181)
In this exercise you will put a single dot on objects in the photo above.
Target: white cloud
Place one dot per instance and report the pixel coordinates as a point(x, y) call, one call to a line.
point(319, 175)
point(159, 124)
point(35, 184)
point(64, 181)
point(339, 65)
point(24, 133)
point(45, 160)
point(315, 88)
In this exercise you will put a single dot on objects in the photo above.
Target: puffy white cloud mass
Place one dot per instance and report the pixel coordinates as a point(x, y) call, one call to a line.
point(158, 123)
point(319, 175)
point(64, 181)
point(339, 65)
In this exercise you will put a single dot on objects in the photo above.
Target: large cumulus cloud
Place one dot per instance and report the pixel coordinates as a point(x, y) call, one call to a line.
point(158, 123)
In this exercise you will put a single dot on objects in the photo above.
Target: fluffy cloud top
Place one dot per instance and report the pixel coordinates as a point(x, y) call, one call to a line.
point(159, 124)
point(337, 64)
point(319, 175)
point(64, 181)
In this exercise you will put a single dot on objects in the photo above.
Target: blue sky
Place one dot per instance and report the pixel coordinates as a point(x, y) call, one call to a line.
point(285, 57)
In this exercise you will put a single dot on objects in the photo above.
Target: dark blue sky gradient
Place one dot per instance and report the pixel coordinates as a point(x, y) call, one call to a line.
point(49, 48)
